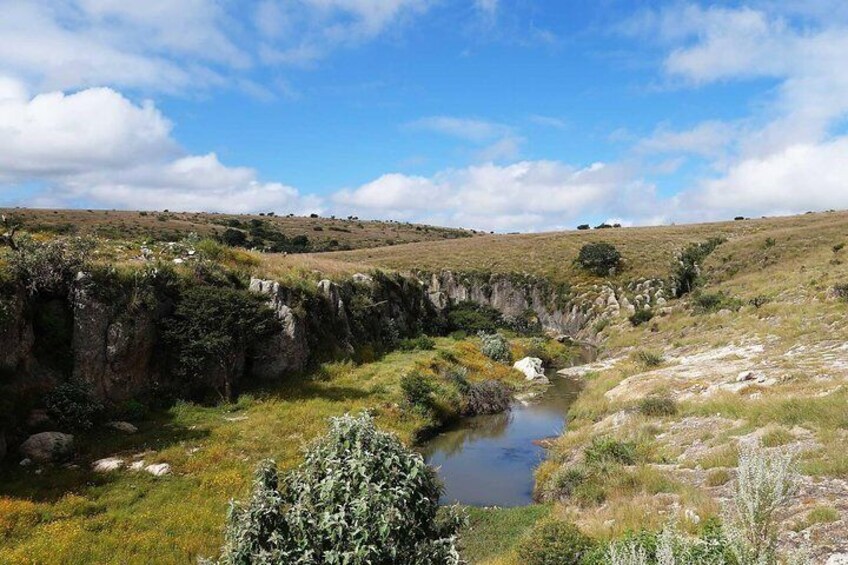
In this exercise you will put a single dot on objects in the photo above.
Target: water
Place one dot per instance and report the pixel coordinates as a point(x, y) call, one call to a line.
point(489, 460)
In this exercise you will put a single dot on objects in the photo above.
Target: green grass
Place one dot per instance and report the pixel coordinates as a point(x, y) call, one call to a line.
point(492, 533)
point(76, 516)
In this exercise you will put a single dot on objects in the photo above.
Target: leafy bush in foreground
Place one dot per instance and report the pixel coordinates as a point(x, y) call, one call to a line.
point(495, 347)
point(599, 258)
point(554, 542)
point(360, 497)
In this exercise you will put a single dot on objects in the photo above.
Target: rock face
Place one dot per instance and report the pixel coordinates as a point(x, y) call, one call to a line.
point(114, 345)
point(125, 427)
point(48, 447)
point(532, 369)
point(16, 334)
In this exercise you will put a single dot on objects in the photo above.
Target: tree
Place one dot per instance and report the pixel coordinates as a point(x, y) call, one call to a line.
point(234, 238)
point(599, 258)
point(359, 497)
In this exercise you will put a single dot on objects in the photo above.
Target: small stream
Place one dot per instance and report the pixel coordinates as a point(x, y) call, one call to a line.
point(489, 460)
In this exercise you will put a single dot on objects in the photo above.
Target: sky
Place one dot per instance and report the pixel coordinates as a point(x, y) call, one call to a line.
point(502, 115)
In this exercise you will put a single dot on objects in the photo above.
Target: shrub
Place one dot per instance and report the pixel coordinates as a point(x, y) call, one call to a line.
point(417, 390)
point(599, 258)
point(838, 247)
point(495, 347)
point(566, 480)
point(658, 406)
point(759, 301)
point(473, 318)
point(554, 542)
point(604, 450)
point(487, 397)
point(420, 343)
point(765, 483)
point(359, 497)
point(214, 326)
point(73, 405)
point(49, 267)
point(687, 272)
point(650, 358)
point(641, 316)
point(840, 291)
point(234, 238)
point(714, 302)
point(133, 410)
point(582, 227)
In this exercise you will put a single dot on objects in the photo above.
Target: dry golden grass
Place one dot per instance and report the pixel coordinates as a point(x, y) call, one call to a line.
point(647, 252)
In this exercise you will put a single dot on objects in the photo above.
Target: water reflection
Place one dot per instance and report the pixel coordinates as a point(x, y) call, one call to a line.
point(489, 460)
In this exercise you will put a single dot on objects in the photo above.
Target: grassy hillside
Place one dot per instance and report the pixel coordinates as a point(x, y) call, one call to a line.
point(323, 233)
point(647, 252)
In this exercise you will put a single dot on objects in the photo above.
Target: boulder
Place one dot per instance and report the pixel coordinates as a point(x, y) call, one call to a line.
point(837, 559)
point(532, 369)
point(361, 278)
point(125, 427)
point(48, 447)
point(158, 469)
point(108, 464)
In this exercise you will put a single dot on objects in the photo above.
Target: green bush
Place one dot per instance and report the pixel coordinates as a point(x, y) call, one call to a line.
point(641, 316)
point(49, 267)
point(599, 258)
point(713, 302)
point(841, 291)
point(133, 410)
point(658, 406)
point(687, 271)
point(554, 542)
point(473, 318)
point(418, 390)
point(73, 405)
point(359, 497)
point(605, 450)
point(420, 343)
point(495, 347)
point(213, 326)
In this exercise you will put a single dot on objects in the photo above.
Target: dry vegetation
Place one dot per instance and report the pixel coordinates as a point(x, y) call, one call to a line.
point(647, 252)
point(172, 226)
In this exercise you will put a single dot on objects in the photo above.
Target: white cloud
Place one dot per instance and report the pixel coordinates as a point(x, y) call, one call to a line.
point(97, 128)
point(469, 129)
point(784, 157)
point(96, 146)
point(528, 195)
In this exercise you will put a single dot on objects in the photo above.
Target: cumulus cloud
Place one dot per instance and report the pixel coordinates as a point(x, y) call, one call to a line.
point(784, 157)
point(528, 195)
point(99, 147)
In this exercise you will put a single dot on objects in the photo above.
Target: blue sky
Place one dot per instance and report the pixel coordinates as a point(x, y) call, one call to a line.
point(506, 115)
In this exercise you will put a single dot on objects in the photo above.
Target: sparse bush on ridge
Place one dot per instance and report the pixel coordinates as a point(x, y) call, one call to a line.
point(359, 497)
point(49, 267)
point(601, 258)
point(840, 291)
point(650, 358)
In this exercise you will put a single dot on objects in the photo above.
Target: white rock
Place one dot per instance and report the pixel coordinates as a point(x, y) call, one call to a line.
point(361, 278)
point(159, 469)
point(137, 465)
point(125, 427)
point(837, 559)
point(178, 261)
point(108, 464)
point(26, 462)
point(532, 369)
point(745, 376)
